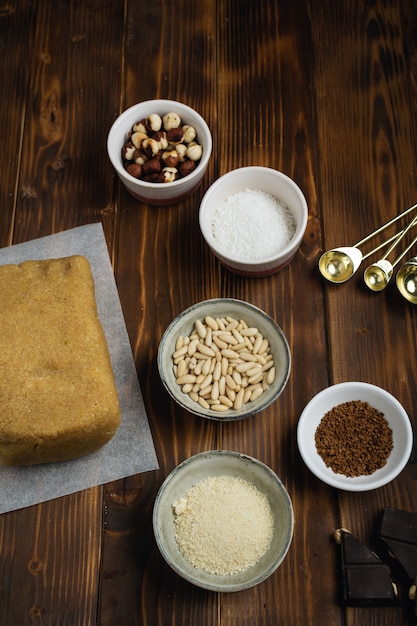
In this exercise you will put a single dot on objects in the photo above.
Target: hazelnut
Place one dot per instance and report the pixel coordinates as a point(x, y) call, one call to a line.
point(154, 122)
point(337, 534)
point(181, 149)
point(187, 167)
point(150, 147)
point(157, 177)
point(161, 138)
point(170, 174)
point(139, 156)
point(153, 166)
point(134, 170)
point(170, 158)
point(140, 127)
point(138, 138)
point(190, 133)
point(175, 135)
point(171, 120)
point(128, 151)
point(194, 151)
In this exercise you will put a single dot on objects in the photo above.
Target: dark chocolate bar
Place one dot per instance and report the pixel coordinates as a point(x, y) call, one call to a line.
point(399, 533)
point(366, 580)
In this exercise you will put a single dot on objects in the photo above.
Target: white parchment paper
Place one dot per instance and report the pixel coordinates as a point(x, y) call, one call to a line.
point(131, 451)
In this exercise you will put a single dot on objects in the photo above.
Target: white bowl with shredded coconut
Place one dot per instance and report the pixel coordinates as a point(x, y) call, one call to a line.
point(254, 219)
point(223, 521)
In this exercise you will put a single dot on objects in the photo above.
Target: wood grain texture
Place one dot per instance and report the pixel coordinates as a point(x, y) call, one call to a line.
point(324, 91)
point(277, 136)
point(14, 77)
point(64, 178)
point(369, 335)
point(50, 556)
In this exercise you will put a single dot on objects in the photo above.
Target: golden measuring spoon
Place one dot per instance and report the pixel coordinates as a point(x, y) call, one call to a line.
point(378, 275)
point(407, 280)
point(339, 264)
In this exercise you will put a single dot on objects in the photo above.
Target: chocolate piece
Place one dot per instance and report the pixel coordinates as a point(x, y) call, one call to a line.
point(399, 533)
point(366, 580)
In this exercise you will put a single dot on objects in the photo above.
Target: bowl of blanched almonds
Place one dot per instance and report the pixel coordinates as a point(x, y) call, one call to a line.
point(224, 359)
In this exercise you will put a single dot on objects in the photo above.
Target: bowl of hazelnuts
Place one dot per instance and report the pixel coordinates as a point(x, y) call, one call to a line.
point(160, 150)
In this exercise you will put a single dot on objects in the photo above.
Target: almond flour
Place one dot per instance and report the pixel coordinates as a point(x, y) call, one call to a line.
point(223, 525)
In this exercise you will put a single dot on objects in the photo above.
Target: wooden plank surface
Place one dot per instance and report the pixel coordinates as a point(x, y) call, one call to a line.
point(364, 104)
point(14, 76)
point(324, 92)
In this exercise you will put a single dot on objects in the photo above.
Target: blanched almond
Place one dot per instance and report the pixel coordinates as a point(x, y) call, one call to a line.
point(223, 363)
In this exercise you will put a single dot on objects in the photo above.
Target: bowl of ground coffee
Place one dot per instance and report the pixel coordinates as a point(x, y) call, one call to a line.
point(355, 436)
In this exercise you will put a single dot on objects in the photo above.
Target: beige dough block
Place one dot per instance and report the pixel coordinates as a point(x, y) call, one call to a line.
point(58, 399)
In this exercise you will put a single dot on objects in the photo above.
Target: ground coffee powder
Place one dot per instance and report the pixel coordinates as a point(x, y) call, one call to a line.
point(354, 439)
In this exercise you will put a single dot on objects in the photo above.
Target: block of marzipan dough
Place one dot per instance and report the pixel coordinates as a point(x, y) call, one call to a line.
point(58, 398)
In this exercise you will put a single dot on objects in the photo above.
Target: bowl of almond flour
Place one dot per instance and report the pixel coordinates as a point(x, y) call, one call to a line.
point(253, 219)
point(223, 521)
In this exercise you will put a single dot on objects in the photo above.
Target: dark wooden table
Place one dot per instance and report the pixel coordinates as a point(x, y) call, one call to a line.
point(324, 91)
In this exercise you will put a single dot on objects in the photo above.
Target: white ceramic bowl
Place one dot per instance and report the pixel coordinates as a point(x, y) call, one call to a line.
point(222, 307)
point(223, 463)
point(159, 194)
point(256, 178)
point(379, 399)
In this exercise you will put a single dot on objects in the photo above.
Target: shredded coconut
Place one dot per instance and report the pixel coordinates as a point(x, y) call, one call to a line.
point(253, 224)
point(223, 525)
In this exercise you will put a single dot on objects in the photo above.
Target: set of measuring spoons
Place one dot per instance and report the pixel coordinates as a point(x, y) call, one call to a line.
point(340, 264)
